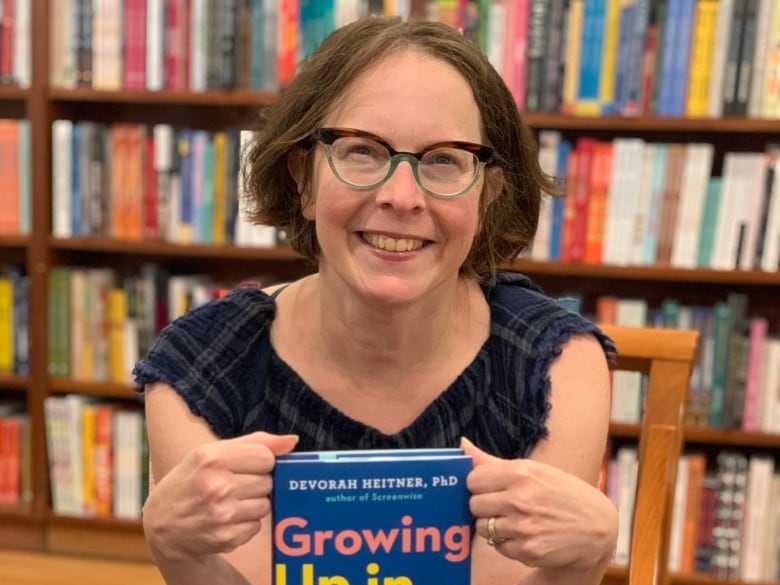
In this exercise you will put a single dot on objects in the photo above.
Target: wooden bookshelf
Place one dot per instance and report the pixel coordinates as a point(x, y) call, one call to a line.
point(34, 526)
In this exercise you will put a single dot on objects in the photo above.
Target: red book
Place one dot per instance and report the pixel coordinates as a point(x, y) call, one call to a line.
point(7, 43)
point(135, 44)
point(288, 41)
point(581, 195)
point(151, 227)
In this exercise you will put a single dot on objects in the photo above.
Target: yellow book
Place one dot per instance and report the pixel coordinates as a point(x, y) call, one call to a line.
point(609, 54)
point(6, 325)
point(702, 53)
point(88, 426)
point(117, 315)
point(220, 186)
point(572, 72)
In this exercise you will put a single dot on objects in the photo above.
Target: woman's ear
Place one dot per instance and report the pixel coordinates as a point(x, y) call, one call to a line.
point(296, 159)
point(494, 183)
point(296, 165)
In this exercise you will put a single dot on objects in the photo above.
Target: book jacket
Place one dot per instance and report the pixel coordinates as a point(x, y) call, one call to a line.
point(396, 517)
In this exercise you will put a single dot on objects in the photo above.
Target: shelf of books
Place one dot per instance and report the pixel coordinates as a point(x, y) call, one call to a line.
point(121, 125)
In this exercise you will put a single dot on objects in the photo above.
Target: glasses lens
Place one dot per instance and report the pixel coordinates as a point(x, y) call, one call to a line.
point(448, 171)
point(359, 161)
point(364, 163)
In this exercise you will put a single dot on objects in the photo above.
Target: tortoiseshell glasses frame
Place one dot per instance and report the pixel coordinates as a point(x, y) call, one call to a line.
point(362, 160)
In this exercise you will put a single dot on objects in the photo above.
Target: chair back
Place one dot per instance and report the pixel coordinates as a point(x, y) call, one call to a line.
point(667, 356)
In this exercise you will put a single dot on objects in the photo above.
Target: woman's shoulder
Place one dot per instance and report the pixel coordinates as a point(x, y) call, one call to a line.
point(524, 313)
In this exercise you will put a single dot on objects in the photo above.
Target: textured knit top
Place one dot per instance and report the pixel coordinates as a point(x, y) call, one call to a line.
point(219, 358)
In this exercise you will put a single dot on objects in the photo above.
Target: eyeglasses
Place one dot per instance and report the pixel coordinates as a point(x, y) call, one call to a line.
point(362, 160)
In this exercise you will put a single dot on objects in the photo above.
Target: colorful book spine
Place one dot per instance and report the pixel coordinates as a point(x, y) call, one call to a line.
point(372, 516)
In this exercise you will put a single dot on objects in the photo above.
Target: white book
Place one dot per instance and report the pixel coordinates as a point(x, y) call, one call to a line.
point(726, 235)
point(164, 136)
point(54, 412)
point(754, 183)
point(130, 347)
point(99, 43)
point(495, 43)
point(115, 33)
point(770, 258)
point(763, 18)
point(627, 474)
point(198, 27)
point(693, 190)
point(346, 11)
point(772, 543)
point(627, 385)
point(62, 192)
point(22, 52)
point(770, 414)
point(643, 209)
point(155, 41)
point(756, 521)
point(549, 141)
point(127, 432)
point(622, 200)
point(73, 405)
point(722, 32)
point(677, 526)
point(248, 234)
point(769, 90)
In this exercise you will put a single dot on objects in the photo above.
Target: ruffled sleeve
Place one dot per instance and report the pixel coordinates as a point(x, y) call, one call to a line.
point(532, 328)
point(215, 356)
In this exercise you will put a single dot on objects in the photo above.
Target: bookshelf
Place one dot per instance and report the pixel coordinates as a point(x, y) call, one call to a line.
point(34, 526)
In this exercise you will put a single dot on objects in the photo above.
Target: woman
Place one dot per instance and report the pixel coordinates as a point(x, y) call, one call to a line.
point(397, 161)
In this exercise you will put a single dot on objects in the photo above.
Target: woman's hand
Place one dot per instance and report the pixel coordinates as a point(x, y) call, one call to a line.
point(544, 517)
point(215, 498)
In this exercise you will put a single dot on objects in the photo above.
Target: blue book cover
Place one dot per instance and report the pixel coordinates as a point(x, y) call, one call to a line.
point(371, 517)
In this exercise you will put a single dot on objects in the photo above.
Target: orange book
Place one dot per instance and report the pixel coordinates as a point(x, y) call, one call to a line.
point(134, 181)
point(569, 212)
point(88, 442)
point(9, 177)
point(697, 466)
point(600, 175)
point(116, 200)
point(104, 460)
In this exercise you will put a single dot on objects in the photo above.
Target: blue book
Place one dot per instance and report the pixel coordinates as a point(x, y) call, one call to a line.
point(386, 516)
point(556, 226)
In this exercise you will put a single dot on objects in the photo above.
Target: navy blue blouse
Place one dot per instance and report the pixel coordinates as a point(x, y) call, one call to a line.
point(218, 357)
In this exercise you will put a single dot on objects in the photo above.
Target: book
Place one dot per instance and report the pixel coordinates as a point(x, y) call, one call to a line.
point(363, 516)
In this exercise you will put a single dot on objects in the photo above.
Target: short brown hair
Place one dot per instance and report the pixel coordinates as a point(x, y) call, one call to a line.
point(508, 222)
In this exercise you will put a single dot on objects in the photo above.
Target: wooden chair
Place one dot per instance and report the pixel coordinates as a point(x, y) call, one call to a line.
point(667, 357)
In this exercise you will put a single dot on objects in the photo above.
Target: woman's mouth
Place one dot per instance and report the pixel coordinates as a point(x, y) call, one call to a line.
point(392, 244)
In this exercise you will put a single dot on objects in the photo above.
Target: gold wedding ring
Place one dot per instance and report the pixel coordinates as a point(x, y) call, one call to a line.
point(493, 539)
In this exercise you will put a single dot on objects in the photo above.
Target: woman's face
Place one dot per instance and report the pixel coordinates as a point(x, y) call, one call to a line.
point(396, 243)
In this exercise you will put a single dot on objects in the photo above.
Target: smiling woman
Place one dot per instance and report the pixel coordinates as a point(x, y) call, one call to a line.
point(398, 163)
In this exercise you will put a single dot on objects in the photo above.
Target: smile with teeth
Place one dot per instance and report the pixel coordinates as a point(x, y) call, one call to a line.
point(393, 244)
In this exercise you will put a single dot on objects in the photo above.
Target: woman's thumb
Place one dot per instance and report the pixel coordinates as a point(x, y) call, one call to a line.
point(478, 456)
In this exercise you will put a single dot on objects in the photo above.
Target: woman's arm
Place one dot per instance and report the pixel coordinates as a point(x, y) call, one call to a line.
point(207, 518)
point(549, 507)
